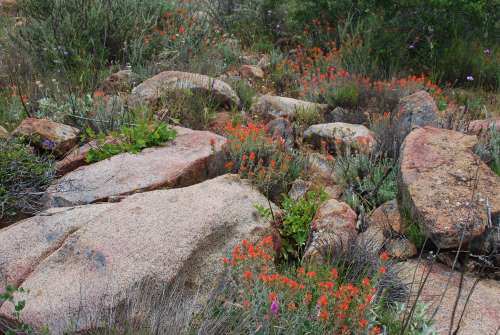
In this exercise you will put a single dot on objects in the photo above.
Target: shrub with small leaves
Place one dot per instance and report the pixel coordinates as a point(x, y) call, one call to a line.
point(23, 178)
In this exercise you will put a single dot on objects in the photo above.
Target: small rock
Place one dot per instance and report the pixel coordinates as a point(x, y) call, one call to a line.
point(479, 126)
point(401, 248)
point(334, 191)
point(416, 110)
point(334, 225)
point(48, 135)
point(121, 81)
point(151, 90)
point(4, 134)
point(271, 107)
point(299, 189)
point(320, 167)
point(338, 136)
point(251, 71)
point(384, 224)
point(281, 129)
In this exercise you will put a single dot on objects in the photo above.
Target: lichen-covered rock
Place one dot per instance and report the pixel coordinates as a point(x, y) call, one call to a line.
point(416, 110)
point(478, 126)
point(440, 291)
point(445, 187)
point(121, 81)
point(400, 248)
point(334, 225)
point(192, 157)
point(299, 189)
point(78, 264)
point(152, 89)
point(270, 107)
point(383, 225)
point(48, 135)
point(336, 136)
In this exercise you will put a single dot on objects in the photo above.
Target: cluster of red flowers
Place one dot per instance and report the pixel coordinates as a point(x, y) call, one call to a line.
point(321, 295)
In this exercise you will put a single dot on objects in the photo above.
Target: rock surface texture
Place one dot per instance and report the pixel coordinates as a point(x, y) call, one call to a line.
point(48, 135)
point(338, 135)
point(189, 159)
point(416, 110)
point(478, 126)
point(482, 314)
point(334, 225)
point(152, 89)
point(270, 107)
point(438, 171)
point(76, 262)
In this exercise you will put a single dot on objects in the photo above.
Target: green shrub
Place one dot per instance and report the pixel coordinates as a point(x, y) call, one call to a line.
point(23, 178)
point(131, 139)
point(191, 109)
point(246, 93)
point(79, 38)
point(295, 222)
point(306, 117)
point(368, 182)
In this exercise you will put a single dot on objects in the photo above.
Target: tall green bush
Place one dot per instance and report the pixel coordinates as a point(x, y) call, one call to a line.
point(81, 37)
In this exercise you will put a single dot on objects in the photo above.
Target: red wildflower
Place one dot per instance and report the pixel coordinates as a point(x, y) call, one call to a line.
point(311, 274)
point(273, 296)
point(334, 273)
point(363, 323)
point(252, 156)
point(324, 315)
point(323, 300)
point(248, 275)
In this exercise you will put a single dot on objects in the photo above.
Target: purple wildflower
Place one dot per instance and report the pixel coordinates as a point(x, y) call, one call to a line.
point(470, 78)
point(275, 307)
point(487, 51)
point(48, 144)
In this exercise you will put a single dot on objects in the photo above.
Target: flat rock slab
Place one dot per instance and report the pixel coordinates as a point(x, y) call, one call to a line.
point(152, 89)
point(25, 244)
point(482, 314)
point(158, 236)
point(438, 171)
point(192, 157)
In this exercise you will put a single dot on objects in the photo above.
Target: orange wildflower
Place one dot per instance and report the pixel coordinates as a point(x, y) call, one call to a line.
point(384, 256)
point(323, 300)
point(334, 273)
point(363, 323)
point(382, 270)
point(311, 274)
point(324, 315)
point(248, 275)
point(252, 156)
point(273, 296)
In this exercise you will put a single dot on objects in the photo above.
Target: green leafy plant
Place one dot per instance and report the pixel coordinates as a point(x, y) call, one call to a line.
point(8, 296)
point(296, 222)
point(23, 178)
point(131, 139)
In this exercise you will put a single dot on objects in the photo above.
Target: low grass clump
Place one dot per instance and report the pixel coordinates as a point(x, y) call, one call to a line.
point(131, 139)
point(489, 148)
point(24, 176)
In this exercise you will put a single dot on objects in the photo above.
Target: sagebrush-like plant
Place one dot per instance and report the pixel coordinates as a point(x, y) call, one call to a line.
point(23, 178)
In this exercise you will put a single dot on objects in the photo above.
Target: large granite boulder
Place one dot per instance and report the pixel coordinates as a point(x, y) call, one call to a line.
point(48, 135)
point(270, 107)
point(445, 187)
point(192, 157)
point(416, 110)
point(338, 135)
point(440, 291)
point(152, 89)
point(77, 262)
